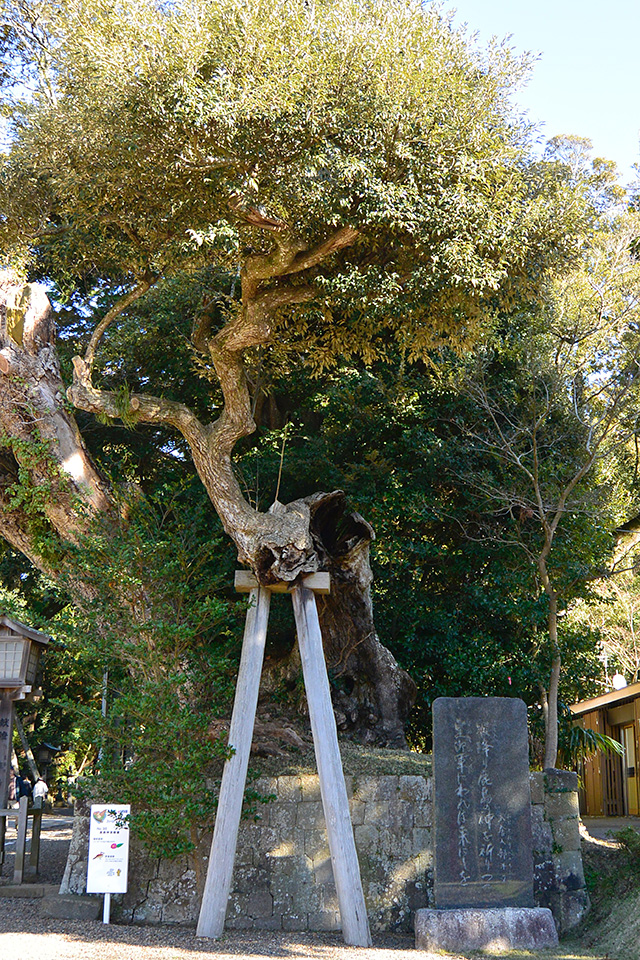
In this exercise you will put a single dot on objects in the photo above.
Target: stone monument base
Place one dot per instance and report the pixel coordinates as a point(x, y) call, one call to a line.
point(497, 929)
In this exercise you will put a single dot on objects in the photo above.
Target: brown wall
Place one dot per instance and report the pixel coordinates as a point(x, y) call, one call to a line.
point(591, 795)
point(602, 793)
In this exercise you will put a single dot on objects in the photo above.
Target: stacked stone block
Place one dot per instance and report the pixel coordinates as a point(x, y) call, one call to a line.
point(283, 877)
point(557, 857)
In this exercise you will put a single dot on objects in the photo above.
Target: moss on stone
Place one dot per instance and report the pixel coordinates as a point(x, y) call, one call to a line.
point(357, 760)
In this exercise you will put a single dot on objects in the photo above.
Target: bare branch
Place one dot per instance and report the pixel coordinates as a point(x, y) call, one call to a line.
point(108, 319)
point(147, 409)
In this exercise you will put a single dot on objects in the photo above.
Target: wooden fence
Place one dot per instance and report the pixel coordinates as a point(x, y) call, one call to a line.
point(24, 811)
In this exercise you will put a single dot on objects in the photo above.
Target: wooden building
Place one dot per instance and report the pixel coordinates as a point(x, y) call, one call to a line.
point(611, 783)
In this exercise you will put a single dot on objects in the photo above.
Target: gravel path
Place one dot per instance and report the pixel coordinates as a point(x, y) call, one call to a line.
point(55, 837)
point(25, 934)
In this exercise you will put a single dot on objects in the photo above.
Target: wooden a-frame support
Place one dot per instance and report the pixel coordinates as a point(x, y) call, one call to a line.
point(344, 860)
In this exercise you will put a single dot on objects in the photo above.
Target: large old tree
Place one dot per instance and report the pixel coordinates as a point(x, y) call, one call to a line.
point(350, 179)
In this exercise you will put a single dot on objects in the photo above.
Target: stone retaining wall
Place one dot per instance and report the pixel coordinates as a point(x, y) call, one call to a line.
point(283, 878)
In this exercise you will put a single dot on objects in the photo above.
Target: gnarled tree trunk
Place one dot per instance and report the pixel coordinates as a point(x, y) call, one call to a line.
point(372, 695)
point(43, 450)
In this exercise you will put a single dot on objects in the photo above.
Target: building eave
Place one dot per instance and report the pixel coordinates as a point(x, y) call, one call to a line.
point(605, 700)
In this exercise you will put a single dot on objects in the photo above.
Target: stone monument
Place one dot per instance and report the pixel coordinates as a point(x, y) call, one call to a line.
point(483, 876)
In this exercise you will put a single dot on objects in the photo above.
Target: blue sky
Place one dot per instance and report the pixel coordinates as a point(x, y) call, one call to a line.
point(587, 78)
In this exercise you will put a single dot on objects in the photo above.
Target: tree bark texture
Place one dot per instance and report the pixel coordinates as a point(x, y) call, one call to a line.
point(551, 714)
point(372, 695)
point(45, 469)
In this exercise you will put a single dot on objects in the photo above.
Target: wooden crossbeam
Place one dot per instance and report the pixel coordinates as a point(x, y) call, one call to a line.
point(245, 581)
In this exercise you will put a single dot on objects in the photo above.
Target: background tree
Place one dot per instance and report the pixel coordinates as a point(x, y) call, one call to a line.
point(555, 438)
point(617, 616)
point(618, 620)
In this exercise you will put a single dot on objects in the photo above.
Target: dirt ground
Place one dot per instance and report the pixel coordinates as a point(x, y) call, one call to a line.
point(26, 934)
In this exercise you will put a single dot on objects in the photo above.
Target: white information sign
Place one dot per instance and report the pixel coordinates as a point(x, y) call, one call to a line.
point(108, 848)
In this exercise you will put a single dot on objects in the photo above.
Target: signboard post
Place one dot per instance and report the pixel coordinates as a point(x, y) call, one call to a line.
point(108, 865)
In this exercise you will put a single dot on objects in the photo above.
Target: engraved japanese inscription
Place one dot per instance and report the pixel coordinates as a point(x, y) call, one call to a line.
point(482, 805)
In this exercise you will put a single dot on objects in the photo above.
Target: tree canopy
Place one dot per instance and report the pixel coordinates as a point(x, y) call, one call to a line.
point(222, 200)
point(354, 172)
point(369, 148)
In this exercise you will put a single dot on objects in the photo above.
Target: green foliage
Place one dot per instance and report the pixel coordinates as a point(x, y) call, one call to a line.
point(580, 743)
point(454, 592)
point(158, 752)
point(12, 602)
point(458, 608)
point(556, 411)
point(152, 129)
point(148, 350)
point(30, 453)
point(611, 875)
point(156, 629)
point(586, 743)
point(629, 839)
point(147, 134)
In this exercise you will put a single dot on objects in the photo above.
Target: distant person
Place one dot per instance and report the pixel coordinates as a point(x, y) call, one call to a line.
point(40, 790)
point(25, 787)
point(20, 787)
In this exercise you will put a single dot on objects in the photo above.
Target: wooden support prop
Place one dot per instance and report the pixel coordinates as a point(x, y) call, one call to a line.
point(21, 841)
point(346, 871)
point(344, 859)
point(223, 848)
point(36, 827)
